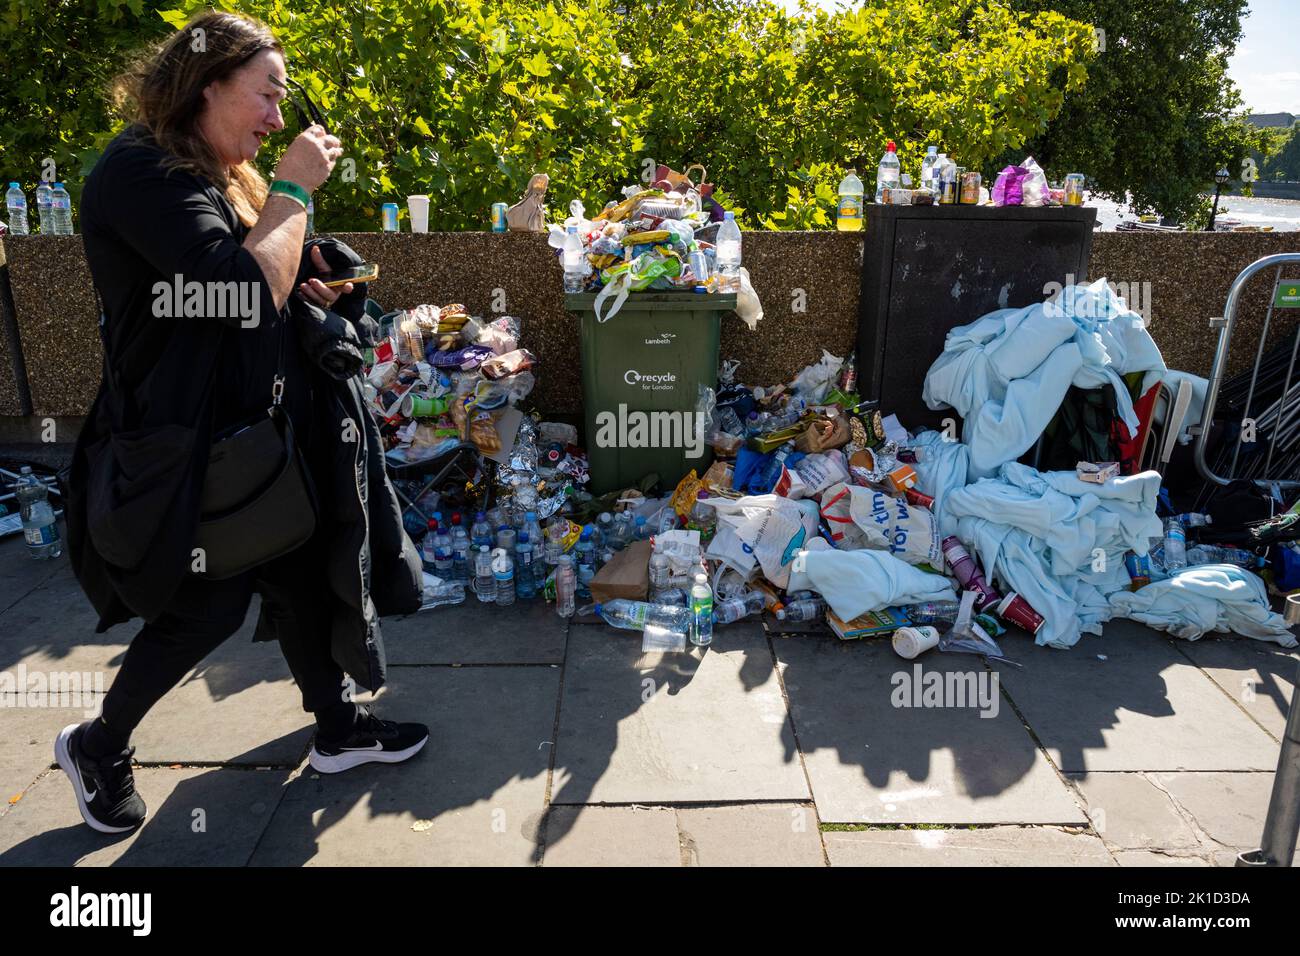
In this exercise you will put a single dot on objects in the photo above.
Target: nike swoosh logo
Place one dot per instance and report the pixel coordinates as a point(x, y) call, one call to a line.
point(89, 794)
point(375, 746)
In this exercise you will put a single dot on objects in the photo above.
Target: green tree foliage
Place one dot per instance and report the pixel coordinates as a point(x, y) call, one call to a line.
point(58, 62)
point(1284, 163)
point(465, 99)
point(779, 106)
point(1158, 114)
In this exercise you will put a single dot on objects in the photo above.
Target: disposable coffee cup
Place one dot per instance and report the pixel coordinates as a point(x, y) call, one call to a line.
point(418, 206)
point(911, 642)
point(1292, 610)
point(1016, 610)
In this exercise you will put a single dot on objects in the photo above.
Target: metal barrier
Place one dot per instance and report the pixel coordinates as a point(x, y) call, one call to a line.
point(1282, 417)
point(1280, 420)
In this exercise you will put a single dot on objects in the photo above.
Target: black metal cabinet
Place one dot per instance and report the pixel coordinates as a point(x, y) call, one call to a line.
point(928, 269)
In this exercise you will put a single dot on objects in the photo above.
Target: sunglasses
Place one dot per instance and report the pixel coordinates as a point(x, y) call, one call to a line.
point(297, 97)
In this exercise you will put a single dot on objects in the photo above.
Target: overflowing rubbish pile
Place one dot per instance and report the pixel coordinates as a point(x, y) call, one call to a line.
point(822, 511)
point(670, 236)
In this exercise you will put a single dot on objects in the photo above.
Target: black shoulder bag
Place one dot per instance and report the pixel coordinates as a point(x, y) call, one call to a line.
point(257, 501)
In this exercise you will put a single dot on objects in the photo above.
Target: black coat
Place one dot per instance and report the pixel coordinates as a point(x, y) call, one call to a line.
point(132, 494)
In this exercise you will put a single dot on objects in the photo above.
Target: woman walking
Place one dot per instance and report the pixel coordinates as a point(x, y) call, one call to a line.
point(175, 200)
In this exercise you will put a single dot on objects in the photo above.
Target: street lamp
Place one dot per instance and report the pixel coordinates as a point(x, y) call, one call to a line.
point(1220, 180)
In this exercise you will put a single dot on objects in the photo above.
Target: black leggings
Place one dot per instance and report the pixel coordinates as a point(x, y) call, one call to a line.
point(204, 613)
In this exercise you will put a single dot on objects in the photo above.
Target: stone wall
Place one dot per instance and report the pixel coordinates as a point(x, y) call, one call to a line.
point(1188, 275)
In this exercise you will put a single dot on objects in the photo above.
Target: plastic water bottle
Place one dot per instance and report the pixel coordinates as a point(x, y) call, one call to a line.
point(848, 211)
point(933, 612)
point(701, 611)
point(638, 615)
point(620, 532)
point(927, 165)
point(659, 571)
point(1175, 545)
point(428, 555)
point(600, 535)
point(586, 557)
point(44, 206)
point(727, 252)
point(525, 582)
point(733, 609)
point(566, 586)
point(807, 609)
point(1215, 554)
point(485, 584)
point(40, 526)
point(888, 173)
point(574, 261)
point(667, 520)
point(507, 538)
point(672, 596)
point(534, 534)
point(641, 529)
point(702, 518)
point(480, 533)
point(699, 263)
point(16, 204)
point(503, 573)
point(442, 594)
point(772, 470)
point(555, 534)
point(936, 174)
point(1195, 520)
point(459, 552)
point(61, 211)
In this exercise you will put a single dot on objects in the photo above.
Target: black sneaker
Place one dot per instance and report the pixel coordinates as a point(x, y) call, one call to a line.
point(371, 741)
point(105, 788)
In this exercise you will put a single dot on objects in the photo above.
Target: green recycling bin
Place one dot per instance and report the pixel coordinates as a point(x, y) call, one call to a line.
point(641, 375)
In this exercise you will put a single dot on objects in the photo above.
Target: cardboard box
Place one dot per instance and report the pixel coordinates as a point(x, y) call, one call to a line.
point(626, 576)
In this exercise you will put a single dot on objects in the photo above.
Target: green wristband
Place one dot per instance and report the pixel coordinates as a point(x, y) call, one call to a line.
point(292, 190)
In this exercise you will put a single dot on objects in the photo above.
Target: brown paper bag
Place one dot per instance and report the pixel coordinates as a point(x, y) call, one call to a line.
point(822, 434)
point(626, 576)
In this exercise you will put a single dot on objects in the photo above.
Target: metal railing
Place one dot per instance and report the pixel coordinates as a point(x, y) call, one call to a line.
point(1280, 420)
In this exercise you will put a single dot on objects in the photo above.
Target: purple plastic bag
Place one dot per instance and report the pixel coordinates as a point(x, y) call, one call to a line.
point(1009, 188)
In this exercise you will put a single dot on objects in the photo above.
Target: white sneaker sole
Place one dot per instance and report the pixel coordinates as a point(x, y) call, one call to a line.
point(337, 763)
point(64, 757)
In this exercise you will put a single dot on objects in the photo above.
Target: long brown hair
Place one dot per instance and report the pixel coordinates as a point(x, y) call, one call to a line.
point(163, 91)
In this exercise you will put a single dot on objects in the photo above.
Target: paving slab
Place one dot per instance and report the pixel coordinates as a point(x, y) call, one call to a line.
point(526, 632)
point(873, 762)
point(20, 573)
point(702, 726)
point(984, 846)
point(197, 817)
point(1129, 700)
point(474, 796)
point(52, 628)
point(1130, 812)
point(1228, 808)
point(612, 836)
point(27, 744)
point(754, 835)
point(1259, 676)
point(239, 706)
